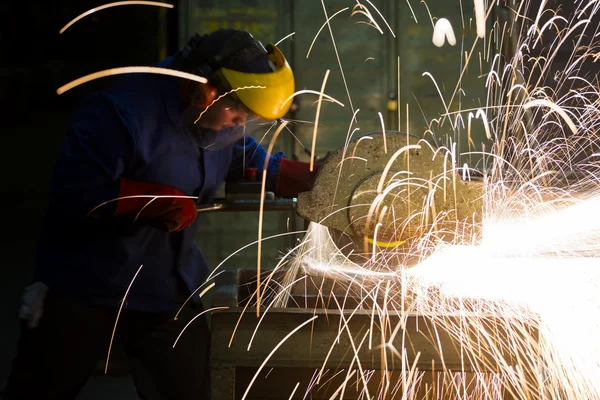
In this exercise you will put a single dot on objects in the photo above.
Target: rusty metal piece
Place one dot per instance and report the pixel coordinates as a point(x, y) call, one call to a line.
point(393, 187)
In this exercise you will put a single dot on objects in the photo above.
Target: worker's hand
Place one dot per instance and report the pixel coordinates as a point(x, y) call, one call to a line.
point(170, 211)
point(294, 177)
point(32, 306)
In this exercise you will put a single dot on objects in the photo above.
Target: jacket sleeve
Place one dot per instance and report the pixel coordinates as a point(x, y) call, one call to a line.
point(93, 156)
point(247, 153)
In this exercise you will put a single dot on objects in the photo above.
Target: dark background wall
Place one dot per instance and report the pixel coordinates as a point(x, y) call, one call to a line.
point(34, 61)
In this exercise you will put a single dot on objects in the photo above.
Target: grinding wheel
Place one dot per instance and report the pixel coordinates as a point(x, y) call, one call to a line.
point(391, 192)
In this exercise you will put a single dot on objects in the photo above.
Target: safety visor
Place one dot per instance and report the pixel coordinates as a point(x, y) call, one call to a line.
point(267, 95)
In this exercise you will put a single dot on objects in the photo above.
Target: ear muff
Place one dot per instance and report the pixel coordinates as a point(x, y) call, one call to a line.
point(206, 54)
point(235, 61)
point(201, 95)
point(207, 95)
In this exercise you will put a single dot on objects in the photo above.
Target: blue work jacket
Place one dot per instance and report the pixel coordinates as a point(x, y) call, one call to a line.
point(131, 130)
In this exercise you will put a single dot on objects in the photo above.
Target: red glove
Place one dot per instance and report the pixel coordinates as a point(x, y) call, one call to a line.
point(294, 177)
point(169, 214)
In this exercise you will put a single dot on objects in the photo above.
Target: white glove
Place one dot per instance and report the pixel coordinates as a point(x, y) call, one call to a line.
point(33, 303)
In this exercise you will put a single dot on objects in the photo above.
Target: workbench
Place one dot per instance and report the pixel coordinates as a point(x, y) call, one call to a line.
point(291, 371)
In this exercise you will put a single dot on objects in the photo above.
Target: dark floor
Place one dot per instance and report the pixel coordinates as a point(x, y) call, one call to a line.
point(13, 277)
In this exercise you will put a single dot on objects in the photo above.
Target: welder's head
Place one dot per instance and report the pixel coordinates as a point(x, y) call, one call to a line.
point(244, 76)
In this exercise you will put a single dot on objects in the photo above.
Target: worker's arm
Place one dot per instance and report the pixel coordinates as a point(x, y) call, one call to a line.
point(247, 153)
point(93, 156)
point(89, 175)
point(285, 177)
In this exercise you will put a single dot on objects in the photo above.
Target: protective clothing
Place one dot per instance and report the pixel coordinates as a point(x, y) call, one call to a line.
point(259, 77)
point(208, 139)
point(268, 95)
point(131, 131)
point(55, 360)
point(162, 206)
point(294, 177)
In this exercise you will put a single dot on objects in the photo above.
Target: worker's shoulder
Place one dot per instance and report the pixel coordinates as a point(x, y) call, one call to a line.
point(136, 89)
point(129, 101)
point(130, 98)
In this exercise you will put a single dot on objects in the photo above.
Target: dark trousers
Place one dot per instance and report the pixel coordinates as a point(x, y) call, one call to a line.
point(55, 360)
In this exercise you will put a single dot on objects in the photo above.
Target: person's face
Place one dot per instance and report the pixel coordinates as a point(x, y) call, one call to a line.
point(224, 113)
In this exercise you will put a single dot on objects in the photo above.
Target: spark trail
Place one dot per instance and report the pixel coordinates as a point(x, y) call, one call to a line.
point(519, 294)
point(508, 309)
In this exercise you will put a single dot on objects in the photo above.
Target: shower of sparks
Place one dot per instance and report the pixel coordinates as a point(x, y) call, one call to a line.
point(508, 305)
point(501, 304)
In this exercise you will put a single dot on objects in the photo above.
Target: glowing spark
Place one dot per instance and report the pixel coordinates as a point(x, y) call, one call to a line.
point(350, 271)
point(129, 70)
point(202, 293)
point(443, 31)
point(337, 56)
point(463, 69)
point(480, 114)
point(348, 137)
point(261, 213)
point(148, 196)
point(283, 38)
point(279, 235)
point(391, 162)
point(314, 137)
point(115, 4)
point(266, 360)
point(294, 391)
point(320, 29)
point(193, 319)
point(412, 12)
point(560, 111)
point(306, 91)
point(175, 318)
point(398, 91)
point(282, 292)
point(534, 235)
point(225, 94)
point(383, 130)
point(382, 17)
point(438, 90)
point(343, 385)
point(480, 18)
point(112, 336)
point(360, 9)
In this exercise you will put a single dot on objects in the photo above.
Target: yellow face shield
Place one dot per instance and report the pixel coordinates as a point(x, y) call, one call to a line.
point(268, 95)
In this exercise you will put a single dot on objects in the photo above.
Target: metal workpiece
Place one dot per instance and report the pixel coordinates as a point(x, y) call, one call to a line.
point(393, 187)
point(237, 205)
point(314, 335)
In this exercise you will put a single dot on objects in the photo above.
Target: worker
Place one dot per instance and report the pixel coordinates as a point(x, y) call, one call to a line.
point(120, 226)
